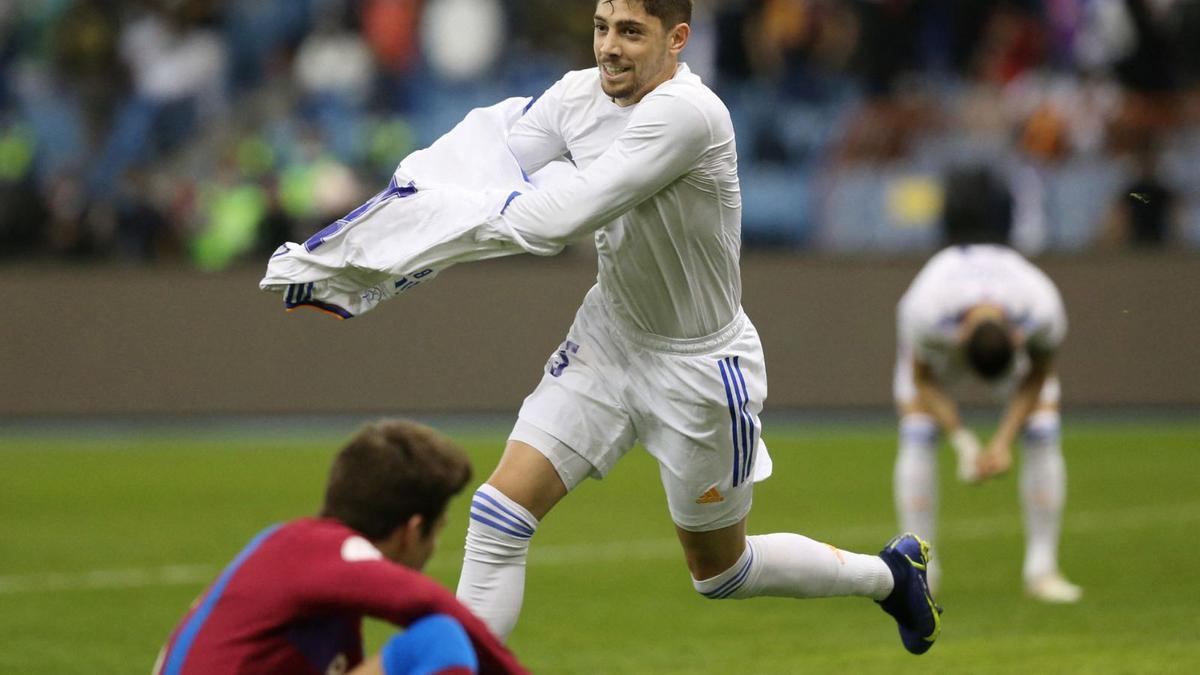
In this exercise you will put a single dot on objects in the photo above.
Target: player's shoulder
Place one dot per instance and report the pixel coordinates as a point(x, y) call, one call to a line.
point(687, 87)
point(685, 98)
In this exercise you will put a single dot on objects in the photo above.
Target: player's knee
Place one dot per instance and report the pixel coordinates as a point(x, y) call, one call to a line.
point(499, 530)
point(1042, 430)
point(918, 430)
point(436, 643)
point(729, 584)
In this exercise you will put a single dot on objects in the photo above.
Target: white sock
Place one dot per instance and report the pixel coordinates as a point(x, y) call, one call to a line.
point(794, 566)
point(1043, 493)
point(915, 482)
point(492, 583)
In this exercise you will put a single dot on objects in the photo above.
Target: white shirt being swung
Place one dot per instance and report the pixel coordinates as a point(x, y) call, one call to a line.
point(658, 184)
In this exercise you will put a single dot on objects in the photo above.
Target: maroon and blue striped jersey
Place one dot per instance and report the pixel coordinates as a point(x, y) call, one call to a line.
point(293, 601)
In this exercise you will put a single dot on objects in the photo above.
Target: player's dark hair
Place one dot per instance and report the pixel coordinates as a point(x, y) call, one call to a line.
point(389, 472)
point(670, 12)
point(990, 349)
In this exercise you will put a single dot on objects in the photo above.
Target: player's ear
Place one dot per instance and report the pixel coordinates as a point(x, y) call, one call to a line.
point(677, 38)
point(414, 530)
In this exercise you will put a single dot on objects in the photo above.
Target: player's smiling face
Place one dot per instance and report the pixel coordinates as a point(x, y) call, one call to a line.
point(634, 50)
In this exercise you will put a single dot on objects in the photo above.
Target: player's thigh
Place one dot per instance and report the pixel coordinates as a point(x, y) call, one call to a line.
point(576, 409)
point(527, 475)
point(904, 387)
point(1051, 394)
point(699, 417)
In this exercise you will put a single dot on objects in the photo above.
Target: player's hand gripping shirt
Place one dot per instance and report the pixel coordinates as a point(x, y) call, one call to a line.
point(293, 601)
point(961, 277)
point(658, 185)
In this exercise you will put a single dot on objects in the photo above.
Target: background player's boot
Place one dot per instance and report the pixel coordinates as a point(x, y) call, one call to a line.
point(911, 604)
point(1053, 588)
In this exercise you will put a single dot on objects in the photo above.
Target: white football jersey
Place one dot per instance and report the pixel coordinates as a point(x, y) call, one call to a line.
point(961, 277)
point(658, 184)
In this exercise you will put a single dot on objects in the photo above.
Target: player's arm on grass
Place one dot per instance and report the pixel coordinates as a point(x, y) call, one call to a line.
point(665, 137)
point(400, 595)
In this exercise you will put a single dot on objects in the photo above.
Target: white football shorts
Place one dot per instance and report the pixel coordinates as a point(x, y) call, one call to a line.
point(694, 405)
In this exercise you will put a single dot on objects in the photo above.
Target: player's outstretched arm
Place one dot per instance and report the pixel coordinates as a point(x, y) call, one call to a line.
point(664, 140)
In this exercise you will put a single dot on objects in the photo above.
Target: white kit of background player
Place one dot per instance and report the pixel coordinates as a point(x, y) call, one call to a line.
point(984, 311)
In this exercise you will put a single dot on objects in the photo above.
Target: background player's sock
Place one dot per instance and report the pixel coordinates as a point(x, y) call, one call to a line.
point(1043, 493)
point(492, 584)
point(915, 482)
point(794, 566)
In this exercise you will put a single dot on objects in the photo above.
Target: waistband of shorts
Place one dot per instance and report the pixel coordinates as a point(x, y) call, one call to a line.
point(705, 344)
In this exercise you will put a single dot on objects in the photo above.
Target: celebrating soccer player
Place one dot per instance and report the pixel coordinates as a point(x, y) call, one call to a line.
point(983, 310)
point(660, 351)
point(293, 600)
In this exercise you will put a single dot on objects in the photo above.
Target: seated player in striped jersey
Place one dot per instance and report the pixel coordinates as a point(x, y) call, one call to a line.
point(985, 312)
point(293, 600)
point(660, 350)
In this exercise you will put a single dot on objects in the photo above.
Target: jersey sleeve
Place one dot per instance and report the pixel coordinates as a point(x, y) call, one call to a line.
point(536, 139)
point(400, 595)
point(664, 140)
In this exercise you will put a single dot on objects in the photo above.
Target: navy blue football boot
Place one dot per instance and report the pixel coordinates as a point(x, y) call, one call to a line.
point(911, 604)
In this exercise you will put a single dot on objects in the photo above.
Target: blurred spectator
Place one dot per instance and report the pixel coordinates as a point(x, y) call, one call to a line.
point(1145, 213)
point(462, 37)
point(978, 207)
point(177, 62)
point(151, 129)
point(334, 71)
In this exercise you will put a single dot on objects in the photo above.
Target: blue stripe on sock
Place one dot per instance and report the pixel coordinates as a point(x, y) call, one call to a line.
point(741, 578)
point(501, 517)
point(733, 420)
point(731, 585)
point(497, 526)
point(511, 514)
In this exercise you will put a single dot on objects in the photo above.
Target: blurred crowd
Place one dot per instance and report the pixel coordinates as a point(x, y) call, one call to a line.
point(212, 130)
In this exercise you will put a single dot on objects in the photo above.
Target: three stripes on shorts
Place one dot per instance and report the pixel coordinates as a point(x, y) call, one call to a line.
point(742, 425)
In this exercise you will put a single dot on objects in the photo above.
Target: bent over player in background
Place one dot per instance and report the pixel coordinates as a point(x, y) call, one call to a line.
point(660, 351)
point(293, 600)
point(984, 310)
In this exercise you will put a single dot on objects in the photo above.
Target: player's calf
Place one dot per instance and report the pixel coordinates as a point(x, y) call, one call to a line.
point(493, 576)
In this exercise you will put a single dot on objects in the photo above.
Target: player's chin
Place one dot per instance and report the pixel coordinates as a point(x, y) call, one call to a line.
point(612, 91)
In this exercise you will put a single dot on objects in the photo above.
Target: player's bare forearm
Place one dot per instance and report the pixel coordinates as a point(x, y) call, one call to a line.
point(1024, 401)
point(933, 400)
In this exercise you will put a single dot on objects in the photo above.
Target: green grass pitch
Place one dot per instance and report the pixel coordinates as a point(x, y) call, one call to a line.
point(106, 539)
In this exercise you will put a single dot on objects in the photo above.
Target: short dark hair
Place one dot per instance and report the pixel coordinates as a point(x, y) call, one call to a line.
point(670, 12)
point(990, 349)
point(389, 472)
